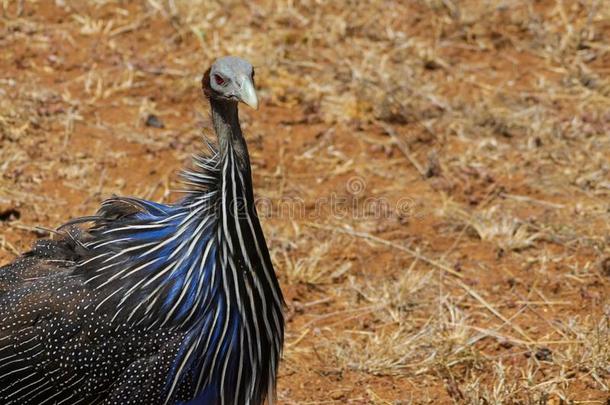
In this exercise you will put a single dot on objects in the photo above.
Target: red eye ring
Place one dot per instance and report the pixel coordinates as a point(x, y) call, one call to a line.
point(219, 80)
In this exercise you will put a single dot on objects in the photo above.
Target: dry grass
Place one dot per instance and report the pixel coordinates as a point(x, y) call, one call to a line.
point(441, 167)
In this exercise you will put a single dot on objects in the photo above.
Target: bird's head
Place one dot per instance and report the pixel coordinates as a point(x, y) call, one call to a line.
point(231, 78)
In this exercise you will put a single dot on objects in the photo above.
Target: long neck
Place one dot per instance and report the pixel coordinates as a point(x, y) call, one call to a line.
point(225, 118)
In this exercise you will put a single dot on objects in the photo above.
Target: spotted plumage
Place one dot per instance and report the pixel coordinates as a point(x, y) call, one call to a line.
point(146, 303)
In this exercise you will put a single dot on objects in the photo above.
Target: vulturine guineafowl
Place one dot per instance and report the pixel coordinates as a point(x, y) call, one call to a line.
point(146, 303)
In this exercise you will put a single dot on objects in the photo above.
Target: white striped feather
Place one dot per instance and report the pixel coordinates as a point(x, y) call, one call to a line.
point(195, 221)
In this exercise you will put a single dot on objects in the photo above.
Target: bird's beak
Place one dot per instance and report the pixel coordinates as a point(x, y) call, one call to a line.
point(247, 94)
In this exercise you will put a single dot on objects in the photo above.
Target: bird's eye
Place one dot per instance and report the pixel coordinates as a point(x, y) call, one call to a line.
point(253, 74)
point(219, 80)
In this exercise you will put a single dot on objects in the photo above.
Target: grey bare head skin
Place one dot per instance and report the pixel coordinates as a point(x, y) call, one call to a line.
point(232, 78)
point(227, 82)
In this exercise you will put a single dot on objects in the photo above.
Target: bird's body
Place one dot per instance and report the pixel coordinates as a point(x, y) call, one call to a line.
point(152, 303)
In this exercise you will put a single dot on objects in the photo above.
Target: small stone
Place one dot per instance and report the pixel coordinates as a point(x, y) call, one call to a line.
point(153, 121)
point(544, 354)
point(9, 213)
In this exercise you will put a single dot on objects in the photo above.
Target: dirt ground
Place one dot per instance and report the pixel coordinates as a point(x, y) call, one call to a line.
point(433, 176)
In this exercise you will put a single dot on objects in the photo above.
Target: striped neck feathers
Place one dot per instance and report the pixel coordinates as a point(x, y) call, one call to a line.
point(164, 263)
point(225, 118)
